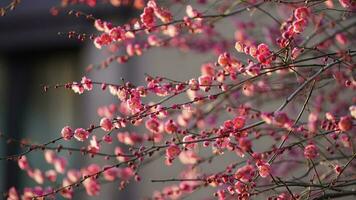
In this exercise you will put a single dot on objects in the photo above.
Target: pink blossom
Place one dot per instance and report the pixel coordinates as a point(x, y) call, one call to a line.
point(264, 55)
point(301, 13)
point(118, 153)
point(92, 186)
point(152, 125)
point(164, 15)
point(207, 69)
point(189, 142)
point(310, 151)
point(13, 194)
point(171, 152)
point(23, 163)
point(87, 83)
point(51, 175)
point(50, 156)
point(106, 124)
point(153, 40)
point(60, 164)
point(37, 175)
point(81, 134)
point(239, 122)
point(240, 46)
point(345, 123)
point(110, 174)
point(299, 25)
point(205, 81)
point(117, 34)
point(77, 88)
point(94, 146)
point(191, 12)
point(125, 173)
point(107, 139)
point(224, 59)
point(170, 127)
point(245, 173)
point(67, 133)
point(147, 17)
point(347, 3)
point(188, 157)
point(281, 119)
point(267, 117)
point(193, 84)
point(102, 40)
point(296, 52)
point(129, 138)
point(73, 175)
point(99, 25)
point(345, 140)
point(264, 169)
point(341, 39)
point(338, 169)
point(312, 122)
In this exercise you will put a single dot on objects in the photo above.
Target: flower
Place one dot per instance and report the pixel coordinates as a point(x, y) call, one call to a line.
point(106, 124)
point(152, 125)
point(239, 122)
point(310, 151)
point(67, 133)
point(87, 83)
point(172, 151)
point(264, 169)
point(23, 163)
point(301, 12)
point(60, 164)
point(345, 123)
point(81, 134)
point(170, 127)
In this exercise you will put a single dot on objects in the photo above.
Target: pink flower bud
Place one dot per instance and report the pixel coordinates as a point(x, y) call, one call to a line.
point(338, 169)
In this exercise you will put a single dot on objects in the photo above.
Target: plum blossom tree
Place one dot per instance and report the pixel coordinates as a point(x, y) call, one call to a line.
point(301, 59)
